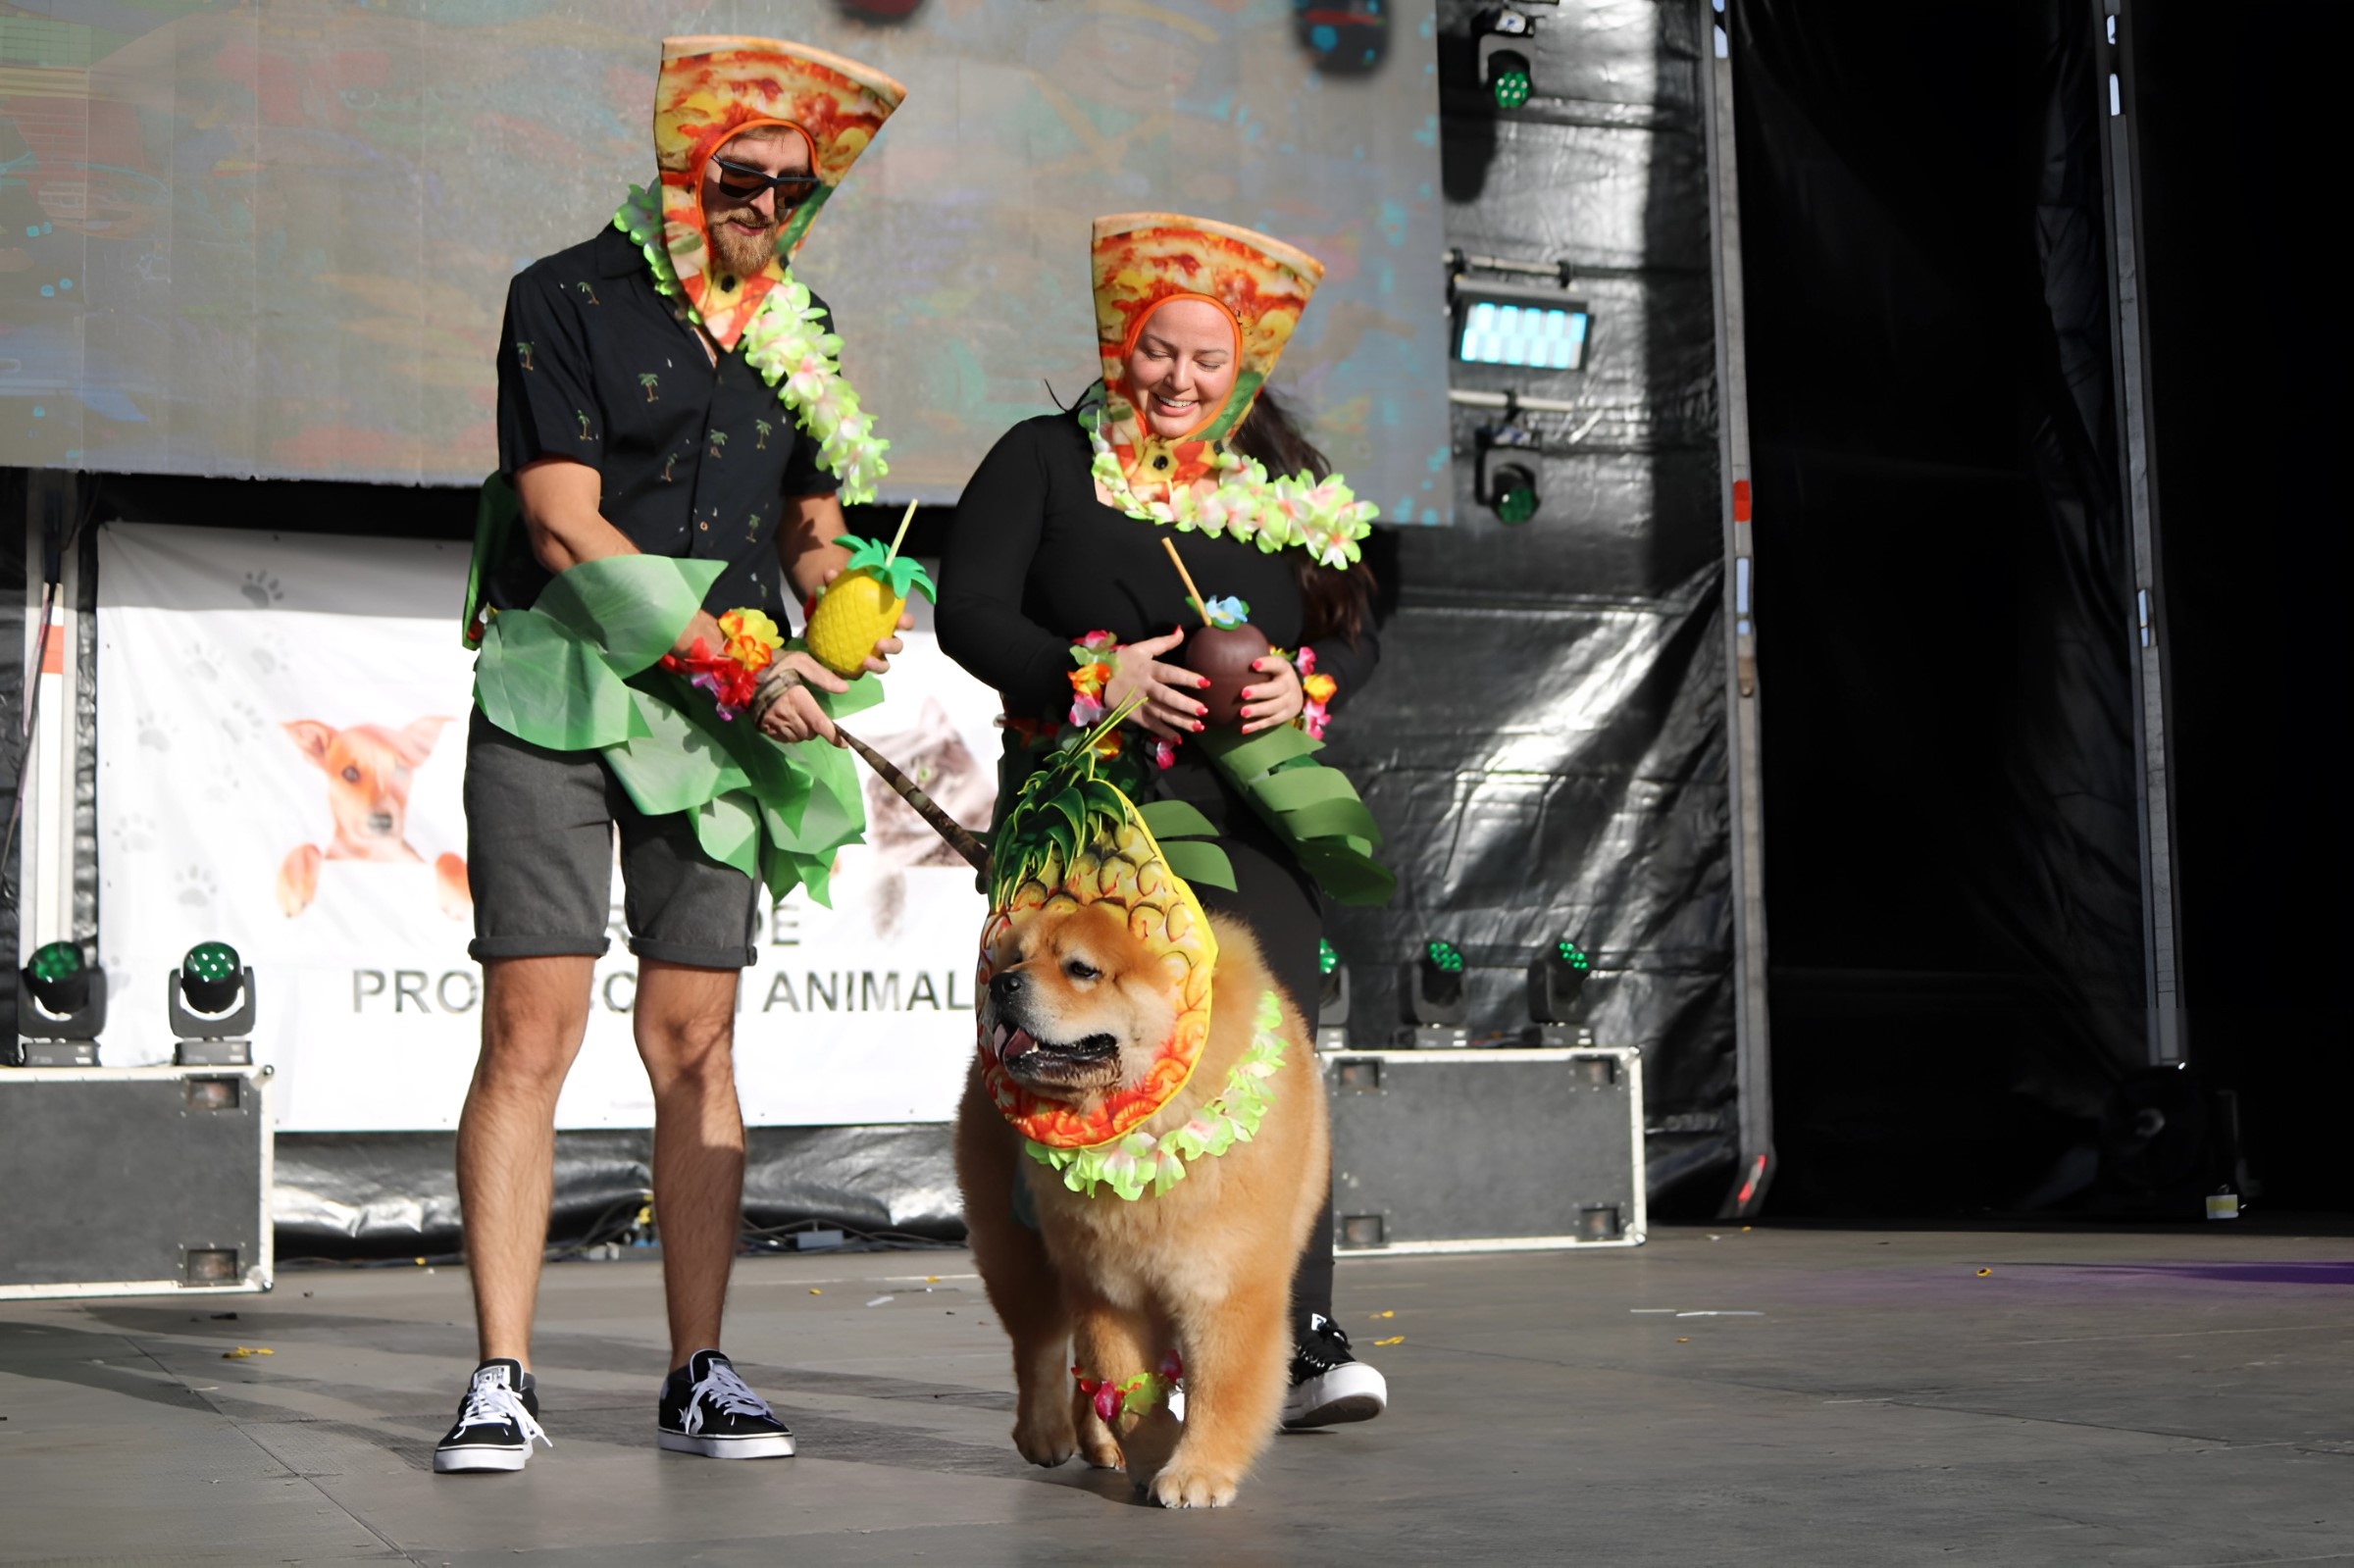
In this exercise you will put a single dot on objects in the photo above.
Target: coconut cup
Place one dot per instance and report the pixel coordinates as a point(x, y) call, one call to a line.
point(1224, 654)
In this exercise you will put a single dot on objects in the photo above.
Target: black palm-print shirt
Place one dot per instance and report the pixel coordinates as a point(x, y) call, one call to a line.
point(698, 460)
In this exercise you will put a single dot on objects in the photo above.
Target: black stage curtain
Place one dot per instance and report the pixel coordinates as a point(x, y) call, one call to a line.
point(1943, 590)
point(2240, 159)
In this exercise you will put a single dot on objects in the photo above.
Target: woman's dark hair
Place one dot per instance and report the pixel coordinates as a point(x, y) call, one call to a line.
point(1336, 603)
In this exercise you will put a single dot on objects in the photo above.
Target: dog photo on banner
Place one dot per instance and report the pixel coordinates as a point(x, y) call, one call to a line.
point(282, 761)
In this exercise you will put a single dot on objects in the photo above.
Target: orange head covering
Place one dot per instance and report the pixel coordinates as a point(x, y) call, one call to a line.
point(1139, 261)
point(712, 88)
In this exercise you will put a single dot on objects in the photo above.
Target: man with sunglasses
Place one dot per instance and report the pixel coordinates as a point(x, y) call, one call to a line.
point(644, 408)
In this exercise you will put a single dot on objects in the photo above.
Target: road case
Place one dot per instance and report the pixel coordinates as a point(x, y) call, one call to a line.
point(134, 1181)
point(1486, 1150)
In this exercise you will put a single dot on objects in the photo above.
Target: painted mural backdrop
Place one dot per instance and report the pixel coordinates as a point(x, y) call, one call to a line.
point(273, 238)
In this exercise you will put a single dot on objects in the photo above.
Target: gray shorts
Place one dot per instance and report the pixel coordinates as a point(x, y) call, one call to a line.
point(539, 829)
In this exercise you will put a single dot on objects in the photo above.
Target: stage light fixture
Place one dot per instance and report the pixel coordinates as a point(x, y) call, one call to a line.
point(1507, 37)
point(210, 998)
point(1331, 998)
point(1557, 977)
point(1434, 985)
point(1507, 488)
point(61, 1008)
point(58, 980)
point(209, 976)
point(1534, 326)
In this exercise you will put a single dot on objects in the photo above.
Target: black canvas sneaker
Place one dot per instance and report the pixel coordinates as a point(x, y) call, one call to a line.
point(707, 1409)
point(1329, 1385)
point(498, 1422)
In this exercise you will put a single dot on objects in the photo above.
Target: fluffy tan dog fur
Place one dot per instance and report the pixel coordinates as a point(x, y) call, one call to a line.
point(1203, 1269)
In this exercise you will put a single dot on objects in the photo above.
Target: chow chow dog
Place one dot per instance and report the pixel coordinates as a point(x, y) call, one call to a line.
point(1078, 1007)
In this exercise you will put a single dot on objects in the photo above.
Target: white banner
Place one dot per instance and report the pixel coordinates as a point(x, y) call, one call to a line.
point(282, 744)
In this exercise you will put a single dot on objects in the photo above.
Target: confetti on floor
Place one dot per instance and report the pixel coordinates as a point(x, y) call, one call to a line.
point(1395, 1338)
point(1379, 1315)
point(242, 1352)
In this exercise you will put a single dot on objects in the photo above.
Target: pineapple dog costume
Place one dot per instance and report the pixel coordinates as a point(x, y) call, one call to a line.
point(1074, 839)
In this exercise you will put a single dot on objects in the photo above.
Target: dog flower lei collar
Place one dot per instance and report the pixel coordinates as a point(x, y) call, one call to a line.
point(1142, 1162)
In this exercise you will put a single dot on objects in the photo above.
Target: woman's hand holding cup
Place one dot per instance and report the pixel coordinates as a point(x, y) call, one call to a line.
point(1169, 710)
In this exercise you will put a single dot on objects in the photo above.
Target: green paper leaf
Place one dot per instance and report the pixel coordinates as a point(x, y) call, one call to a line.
point(1198, 862)
point(1291, 788)
point(729, 830)
point(1176, 818)
point(632, 607)
point(539, 681)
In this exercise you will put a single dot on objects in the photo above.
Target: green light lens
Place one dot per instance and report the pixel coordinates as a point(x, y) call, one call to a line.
point(1516, 504)
point(1328, 958)
point(1445, 957)
point(211, 961)
point(56, 961)
point(1511, 89)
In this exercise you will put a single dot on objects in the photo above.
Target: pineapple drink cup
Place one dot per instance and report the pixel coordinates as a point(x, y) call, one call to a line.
point(1073, 840)
point(861, 607)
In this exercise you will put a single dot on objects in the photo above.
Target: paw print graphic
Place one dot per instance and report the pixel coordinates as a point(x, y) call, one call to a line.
point(152, 732)
point(193, 885)
point(242, 721)
point(134, 832)
point(260, 590)
point(271, 654)
point(204, 661)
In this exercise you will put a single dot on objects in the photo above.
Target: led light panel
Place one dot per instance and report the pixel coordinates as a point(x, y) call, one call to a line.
point(1540, 336)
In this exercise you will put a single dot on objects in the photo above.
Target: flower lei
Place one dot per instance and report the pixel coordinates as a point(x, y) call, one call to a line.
point(1141, 1161)
point(1323, 516)
point(784, 344)
point(1315, 690)
point(1137, 1396)
point(732, 675)
point(1097, 656)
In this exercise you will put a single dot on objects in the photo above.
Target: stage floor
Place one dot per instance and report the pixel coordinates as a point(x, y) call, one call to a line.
point(1781, 1395)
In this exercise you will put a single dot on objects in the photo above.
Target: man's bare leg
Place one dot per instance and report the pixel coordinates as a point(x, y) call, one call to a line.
point(685, 1021)
point(535, 1011)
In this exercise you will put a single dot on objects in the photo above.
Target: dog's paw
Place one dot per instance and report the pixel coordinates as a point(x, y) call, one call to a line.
point(1184, 1486)
point(1045, 1440)
point(1098, 1447)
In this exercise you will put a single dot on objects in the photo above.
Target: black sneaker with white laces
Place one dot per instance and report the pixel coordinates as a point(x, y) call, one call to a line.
point(498, 1422)
point(707, 1409)
point(1329, 1385)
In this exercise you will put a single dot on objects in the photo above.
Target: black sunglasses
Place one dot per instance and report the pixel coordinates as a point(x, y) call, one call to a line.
point(738, 183)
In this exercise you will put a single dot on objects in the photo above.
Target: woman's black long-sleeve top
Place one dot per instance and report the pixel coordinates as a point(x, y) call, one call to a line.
point(1035, 562)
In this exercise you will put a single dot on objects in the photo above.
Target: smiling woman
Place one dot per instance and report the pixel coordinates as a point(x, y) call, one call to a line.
point(1182, 363)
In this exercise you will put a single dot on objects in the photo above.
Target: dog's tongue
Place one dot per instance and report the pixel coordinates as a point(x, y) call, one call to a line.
point(1015, 1042)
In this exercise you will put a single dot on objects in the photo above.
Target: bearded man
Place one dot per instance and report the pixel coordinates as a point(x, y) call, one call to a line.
point(667, 389)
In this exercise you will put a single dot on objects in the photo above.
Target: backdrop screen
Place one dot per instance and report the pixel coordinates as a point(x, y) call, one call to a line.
point(273, 238)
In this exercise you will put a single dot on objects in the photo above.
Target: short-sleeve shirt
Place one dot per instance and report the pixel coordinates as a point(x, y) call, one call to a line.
point(698, 460)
